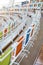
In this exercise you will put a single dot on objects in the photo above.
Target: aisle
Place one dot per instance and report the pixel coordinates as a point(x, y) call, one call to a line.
point(39, 60)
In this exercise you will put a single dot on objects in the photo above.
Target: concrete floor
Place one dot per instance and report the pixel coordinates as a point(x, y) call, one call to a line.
point(36, 48)
point(39, 59)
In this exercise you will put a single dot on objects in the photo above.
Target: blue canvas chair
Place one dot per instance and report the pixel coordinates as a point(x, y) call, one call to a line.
point(27, 38)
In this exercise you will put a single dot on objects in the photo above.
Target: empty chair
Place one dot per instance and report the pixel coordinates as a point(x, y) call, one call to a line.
point(27, 38)
point(19, 46)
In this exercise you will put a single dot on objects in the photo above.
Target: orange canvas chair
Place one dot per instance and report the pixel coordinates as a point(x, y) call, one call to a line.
point(19, 46)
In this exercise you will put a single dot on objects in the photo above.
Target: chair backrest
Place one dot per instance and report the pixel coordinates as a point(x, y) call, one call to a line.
point(19, 46)
point(18, 49)
point(28, 30)
point(32, 32)
point(29, 34)
point(27, 38)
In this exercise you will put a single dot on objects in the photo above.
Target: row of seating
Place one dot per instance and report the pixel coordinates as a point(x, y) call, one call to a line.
point(31, 35)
